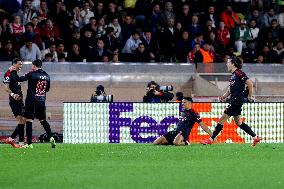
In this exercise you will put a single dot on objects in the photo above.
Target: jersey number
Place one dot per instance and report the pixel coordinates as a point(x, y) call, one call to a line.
point(40, 88)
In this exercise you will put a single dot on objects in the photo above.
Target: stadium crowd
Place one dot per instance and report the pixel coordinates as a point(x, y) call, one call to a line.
point(142, 30)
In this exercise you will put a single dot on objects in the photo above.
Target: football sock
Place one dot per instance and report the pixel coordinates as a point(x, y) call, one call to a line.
point(21, 130)
point(29, 131)
point(15, 133)
point(247, 129)
point(217, 130)
point(46, 127)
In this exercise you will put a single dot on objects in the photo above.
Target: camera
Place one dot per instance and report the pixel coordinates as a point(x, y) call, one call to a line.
point(165, 88)
point(102, 98)
point(157, 93)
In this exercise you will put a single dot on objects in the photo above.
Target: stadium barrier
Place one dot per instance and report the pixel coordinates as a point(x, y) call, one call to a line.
point(128, 122)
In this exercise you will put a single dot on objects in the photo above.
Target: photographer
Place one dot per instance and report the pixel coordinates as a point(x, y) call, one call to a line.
point(100, 95)
point(156, 93)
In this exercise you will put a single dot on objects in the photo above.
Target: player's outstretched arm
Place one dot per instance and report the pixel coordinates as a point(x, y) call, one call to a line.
point(205, 128)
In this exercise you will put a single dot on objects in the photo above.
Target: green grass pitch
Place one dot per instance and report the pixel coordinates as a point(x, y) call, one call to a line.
point(123, 166)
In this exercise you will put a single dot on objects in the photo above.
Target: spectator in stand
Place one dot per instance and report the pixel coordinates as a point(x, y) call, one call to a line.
point(154, 20)
point(204, 55)
point(230, 18)
point(77, 17)
point(86, 13)
point(101, 26)
point(127, 27)
point(96, 54)
point(150, 44)
point(109, 40)
point(48, 58)
point(28, 13)
point(67, 33)
point(197, 40)
point(256, 15)
point(211, 15)
point(91, 26)
point(4, 28)
point(269, 16)
point(50, 50)
point(117, 28)
point(249, 53)
point(260, 59)
point(194, 27)
point(191, 54)
point(61, 57)
point(208, 30)
point(87, 42)
point(241, 35)
point(183, 47)
point(253, 32)
point(30, 51)
point(29, 33)
point(131, 45)
point(99, 10)
point(43, 13)
point(74, 55)
point(60, 48)
point(112, 11)
point(50, 32)
point(168, 13)
point(168, 41)
point(223, 36)
point(9, 53)
point(60, 15)
point(276, 31)
point(37, 28)
point(141, 54)
point(266, 53)
point(17, 29)
point(185, 17)
point(277, 53)
point(281, 17)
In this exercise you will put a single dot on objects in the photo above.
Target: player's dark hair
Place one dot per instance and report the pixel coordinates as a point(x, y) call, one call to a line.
point(16, 60)
point(151, 83)
point(237, 62)
point(37, 63)
point(189, 99)
point(179, 96)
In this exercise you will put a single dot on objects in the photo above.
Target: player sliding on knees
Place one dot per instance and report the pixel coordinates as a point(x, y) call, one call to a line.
point(236, 89)
point(187, 119)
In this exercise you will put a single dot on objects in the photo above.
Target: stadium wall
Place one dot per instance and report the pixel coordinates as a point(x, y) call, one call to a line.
point(128, 122)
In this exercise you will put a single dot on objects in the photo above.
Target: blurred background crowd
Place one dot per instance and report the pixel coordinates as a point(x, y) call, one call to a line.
point(142, 30)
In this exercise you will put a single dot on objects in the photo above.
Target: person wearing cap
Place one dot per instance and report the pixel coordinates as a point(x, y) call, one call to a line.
point(241, 34)
point(187, 119)
point(238, 83)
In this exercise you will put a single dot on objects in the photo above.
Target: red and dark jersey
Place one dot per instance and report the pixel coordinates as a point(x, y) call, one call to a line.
point(237, 85)
point(186, 121)
point(11, 79)
point(38, 85)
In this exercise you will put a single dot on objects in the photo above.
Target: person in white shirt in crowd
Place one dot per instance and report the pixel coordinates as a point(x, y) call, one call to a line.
point(86, 13)
point(116, 26)
point(132, 43)
point(52, 50)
